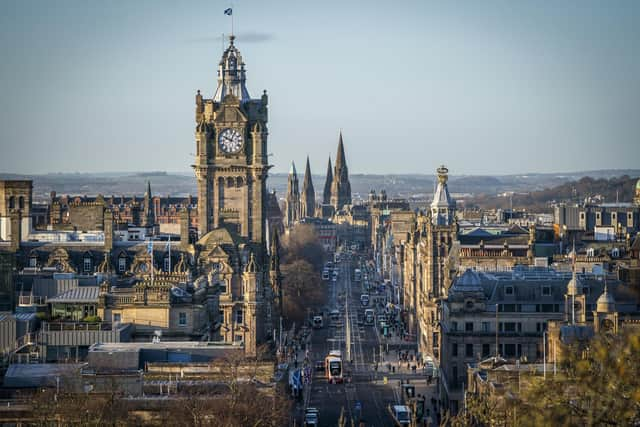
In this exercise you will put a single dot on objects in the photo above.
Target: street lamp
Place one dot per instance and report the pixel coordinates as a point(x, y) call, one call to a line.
point(544, 354)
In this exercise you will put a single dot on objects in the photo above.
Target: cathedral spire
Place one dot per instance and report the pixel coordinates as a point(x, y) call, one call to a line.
point(308, 196)
point(326, 196)
point(341, 187)
point(340, 157)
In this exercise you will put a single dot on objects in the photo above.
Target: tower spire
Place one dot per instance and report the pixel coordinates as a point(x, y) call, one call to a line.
point(326, 195)
point(341, 187)
point(308, 196)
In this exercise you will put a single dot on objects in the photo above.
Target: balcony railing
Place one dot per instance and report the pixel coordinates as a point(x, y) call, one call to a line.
point(76, 326)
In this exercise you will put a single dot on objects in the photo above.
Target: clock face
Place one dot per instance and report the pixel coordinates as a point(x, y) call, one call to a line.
point(230, 141)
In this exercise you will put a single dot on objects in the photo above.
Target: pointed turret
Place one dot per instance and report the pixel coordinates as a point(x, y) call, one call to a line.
point(443, 206)
point(231, 75)
point(341, 187)
point(326, 196)
point(292, 200)
point(308, 195)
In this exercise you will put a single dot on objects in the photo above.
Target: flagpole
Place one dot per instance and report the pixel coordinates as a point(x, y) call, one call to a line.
point(169, 254)
point(151, 243)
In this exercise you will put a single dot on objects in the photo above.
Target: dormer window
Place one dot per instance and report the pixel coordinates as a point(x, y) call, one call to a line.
point(546, 290)
point(33, 262)
point(508, 290)
point(87, 264)
point(122, 264)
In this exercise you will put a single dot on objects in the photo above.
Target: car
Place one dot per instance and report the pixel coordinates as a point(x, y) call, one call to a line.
point(311, 417)
point(319, 366)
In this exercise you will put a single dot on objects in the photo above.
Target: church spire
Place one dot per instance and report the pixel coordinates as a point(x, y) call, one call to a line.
point(308, 196)
point(326, 196)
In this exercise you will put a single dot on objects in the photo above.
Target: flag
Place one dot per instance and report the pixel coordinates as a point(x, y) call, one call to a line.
point(228, 11)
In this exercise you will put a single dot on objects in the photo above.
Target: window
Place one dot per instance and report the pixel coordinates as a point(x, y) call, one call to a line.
point(239, 338)
point(239, 317)
point(87, 264)
point(223, 287)
point(33, 262)
point(12, 202)
point(486, 350)
point(485, 326)
point(468, 352)
point(510, 350)
point(508, 326)
point(21, 202)
point(122, 264)
point(454, 349)
point(468, 327)
point(546, 290)
point(454, 326)
point(182, 318)
point(167, 264)
point(116, 317)
point(508, 290)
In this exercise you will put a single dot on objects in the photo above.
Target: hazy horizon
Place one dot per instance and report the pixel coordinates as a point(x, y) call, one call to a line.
point(490, 88)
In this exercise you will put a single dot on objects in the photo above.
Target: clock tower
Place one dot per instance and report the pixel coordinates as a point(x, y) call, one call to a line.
point(231, 153)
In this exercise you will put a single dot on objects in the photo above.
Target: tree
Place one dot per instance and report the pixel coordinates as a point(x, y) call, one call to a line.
point(303, 260)
point(302, 244)
point(593, 387)
point(302, 289)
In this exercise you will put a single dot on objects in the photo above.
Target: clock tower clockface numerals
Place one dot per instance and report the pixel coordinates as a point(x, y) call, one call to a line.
point(230, 141)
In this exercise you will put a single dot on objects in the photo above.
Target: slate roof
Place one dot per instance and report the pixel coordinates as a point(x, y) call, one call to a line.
point(80, 294)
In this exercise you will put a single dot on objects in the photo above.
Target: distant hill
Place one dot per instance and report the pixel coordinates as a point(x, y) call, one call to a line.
point(483, 189)
point(616, 189)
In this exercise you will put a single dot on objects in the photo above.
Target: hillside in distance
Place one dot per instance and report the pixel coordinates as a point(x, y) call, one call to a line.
point(615, 189)
point(482, 190)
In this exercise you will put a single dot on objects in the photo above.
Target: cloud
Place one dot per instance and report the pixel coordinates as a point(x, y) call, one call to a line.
point(248, 37)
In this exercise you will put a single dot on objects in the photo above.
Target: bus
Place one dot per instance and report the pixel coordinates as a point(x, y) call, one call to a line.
point(368, 316)
point(333, 367)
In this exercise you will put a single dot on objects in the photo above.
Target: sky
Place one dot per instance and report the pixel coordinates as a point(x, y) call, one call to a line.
point(485, 87)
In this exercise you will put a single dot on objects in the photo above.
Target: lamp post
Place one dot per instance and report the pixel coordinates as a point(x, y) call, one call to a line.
point(544, 355)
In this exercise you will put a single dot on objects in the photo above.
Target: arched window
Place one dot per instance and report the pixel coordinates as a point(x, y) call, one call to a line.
point(21, 202)
point(12, 202)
